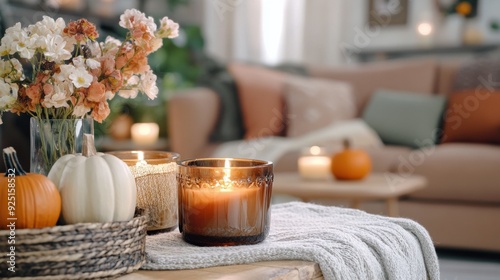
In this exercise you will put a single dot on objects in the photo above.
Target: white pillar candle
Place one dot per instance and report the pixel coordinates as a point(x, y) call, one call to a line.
point(145, 133)
point(315, 164)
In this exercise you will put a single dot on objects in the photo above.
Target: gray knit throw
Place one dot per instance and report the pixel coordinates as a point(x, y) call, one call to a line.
point(346, 243)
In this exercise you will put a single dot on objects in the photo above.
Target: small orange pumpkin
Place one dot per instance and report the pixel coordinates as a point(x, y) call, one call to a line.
point(27, 200)
point(350, 164)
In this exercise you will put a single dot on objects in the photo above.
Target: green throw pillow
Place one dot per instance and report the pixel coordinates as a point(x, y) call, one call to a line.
point(404, 118)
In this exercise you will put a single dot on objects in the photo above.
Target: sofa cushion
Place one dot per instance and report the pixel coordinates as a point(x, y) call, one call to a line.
point(384, 158)
point(472, 116)
point(312, 104)
point(404, 118)
point(445, 77)
point(459, 172)
point(416, 75)
point(260, 95)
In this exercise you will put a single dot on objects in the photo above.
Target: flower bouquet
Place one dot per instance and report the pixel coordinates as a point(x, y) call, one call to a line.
point(57, 71)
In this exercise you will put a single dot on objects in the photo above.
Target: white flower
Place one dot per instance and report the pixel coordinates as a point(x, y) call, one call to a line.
point(79, 61)
point(6, 49)
point(8, 94)
point(133, 81)
point(10, 73)
point(112, 41)
point(94, 48)
point(7, 45)
point(47, 26)
point(132, 18)
point(109, 95)
point(5, 68)
point(128, 93)
point(131, 88)
point(148, 84)
point(16, 28)
point(80, 110)
point(65, 71)
point(81, 78)
point(110, 46)
point(70, 43)
point(168, 28)
point(92, 63)
point(59, 98)
point(17, 40)
point(55, 48)
point(150, 23)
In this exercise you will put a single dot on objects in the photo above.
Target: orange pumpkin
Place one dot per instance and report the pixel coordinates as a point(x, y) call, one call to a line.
point(350, 164)
point(27, 200)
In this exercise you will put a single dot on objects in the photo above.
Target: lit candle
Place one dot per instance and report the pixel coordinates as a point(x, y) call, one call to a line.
point(424, 31)
point(221, 204)
point(315, 164)
point(145, 133)
point(140, 160)
point(155, 177)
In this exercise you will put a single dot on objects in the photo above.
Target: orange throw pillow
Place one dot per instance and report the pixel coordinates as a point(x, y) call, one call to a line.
point(473, 116)
point(261, 100)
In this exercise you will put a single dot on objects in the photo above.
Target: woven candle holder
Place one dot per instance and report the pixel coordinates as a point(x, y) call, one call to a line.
point(155, 176)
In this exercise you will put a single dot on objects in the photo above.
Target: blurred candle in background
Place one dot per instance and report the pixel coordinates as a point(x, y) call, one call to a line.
point(314, 163)
point(145, 133)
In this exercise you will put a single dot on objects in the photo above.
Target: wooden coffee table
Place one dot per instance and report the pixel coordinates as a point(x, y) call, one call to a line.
point(286, 270)
point(377, 186)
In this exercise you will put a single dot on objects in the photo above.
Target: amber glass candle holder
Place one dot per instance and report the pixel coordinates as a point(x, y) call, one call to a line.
point(224, 202)
point(155, 176)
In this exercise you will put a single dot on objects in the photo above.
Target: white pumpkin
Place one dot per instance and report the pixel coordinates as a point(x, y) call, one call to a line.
point(94, 187)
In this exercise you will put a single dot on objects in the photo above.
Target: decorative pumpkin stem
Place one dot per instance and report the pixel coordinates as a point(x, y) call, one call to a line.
point(88, 148)
point(12, 162)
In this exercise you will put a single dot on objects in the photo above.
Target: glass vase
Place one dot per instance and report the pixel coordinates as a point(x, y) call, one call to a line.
point(51, 139)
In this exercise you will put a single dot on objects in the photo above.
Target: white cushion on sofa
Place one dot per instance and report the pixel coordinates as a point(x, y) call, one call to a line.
point(312, 104)
point(273, 148)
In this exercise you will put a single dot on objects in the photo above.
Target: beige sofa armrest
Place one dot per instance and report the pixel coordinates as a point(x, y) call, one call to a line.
point(192, 115)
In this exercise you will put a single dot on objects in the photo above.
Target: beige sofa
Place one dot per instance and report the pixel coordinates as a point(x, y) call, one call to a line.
point(461, 205)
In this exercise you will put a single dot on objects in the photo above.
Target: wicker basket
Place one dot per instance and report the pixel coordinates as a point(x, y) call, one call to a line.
point(79, 251)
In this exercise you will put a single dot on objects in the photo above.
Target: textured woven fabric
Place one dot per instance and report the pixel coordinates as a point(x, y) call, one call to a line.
point(346, 243)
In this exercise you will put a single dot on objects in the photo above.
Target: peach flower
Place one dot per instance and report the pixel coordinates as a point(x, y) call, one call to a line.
point(96, 92)
point(100, 111)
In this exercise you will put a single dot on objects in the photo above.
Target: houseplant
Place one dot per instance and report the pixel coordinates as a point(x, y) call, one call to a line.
point(56, 71)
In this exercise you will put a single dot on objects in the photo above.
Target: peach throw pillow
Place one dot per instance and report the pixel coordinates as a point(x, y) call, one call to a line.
point(472, 116)
point(261, 100)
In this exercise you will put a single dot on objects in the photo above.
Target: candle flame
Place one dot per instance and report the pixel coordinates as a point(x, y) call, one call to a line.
point(315, 150)
point(140, 159)
point(227, 172)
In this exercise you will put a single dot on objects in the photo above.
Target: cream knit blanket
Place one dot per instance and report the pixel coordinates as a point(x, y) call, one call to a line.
point(346, 243)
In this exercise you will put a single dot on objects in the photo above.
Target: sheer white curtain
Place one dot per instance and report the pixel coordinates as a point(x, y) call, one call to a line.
point(274, 31)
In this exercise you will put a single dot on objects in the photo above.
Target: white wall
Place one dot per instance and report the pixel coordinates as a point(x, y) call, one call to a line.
point(357, 32)
point(489, 10)
point(333, 29)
